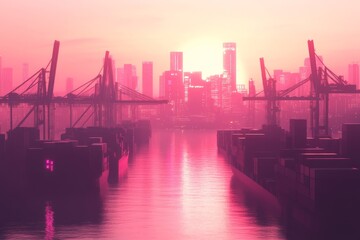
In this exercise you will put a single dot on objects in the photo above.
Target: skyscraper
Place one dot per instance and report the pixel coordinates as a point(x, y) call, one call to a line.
point(252, 89)
point(173, 88)
point(130, 78)
point(192, 79)
point(229, 63)
point(176, 61)
point(147, 78)
point(195, 94)
point(220, 92)
point(353, 74)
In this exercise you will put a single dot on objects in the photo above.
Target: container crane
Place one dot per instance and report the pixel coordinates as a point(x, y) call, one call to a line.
point(104, 99)
point(321, 88)
point(272, 96)
point(323, 83)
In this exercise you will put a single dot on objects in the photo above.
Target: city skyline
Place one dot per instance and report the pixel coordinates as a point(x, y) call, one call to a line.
point(179, 119)
point(137, 31)
point(127, 74)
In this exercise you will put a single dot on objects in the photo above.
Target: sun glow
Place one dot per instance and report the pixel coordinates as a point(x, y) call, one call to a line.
point(206, 56)
point(203, 55)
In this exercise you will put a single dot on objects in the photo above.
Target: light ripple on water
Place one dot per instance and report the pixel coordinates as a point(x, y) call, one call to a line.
point(178, 187)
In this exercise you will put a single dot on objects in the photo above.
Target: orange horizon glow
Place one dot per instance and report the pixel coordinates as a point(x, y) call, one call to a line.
point(137, 31)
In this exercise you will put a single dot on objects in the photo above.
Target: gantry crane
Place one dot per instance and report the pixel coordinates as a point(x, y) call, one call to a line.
point(103, 100)
point(106, 99)
point(272, 96)
point(320, 90)
point(40, 100)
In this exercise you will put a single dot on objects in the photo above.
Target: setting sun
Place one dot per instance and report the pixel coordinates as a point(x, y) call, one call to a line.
point(205, 56)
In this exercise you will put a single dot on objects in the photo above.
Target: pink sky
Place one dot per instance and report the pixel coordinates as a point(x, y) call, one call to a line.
point(141, 30)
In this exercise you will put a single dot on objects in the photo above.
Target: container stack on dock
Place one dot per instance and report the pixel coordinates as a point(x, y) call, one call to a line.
point(66, 164)
point(78, 160)
point(119, 141)
point(317, 175)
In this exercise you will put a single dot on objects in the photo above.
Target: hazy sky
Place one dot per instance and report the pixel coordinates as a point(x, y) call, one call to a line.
point(143, 30)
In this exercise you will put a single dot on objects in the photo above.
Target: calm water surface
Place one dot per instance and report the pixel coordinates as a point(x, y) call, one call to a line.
point(177, 187)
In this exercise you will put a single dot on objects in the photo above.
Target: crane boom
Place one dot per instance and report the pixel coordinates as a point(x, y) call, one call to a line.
point(54, 60)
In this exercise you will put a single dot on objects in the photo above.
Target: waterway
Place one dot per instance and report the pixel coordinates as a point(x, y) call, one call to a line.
point(177, 187)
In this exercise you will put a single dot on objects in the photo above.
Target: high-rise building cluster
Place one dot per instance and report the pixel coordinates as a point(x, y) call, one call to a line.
point(188, 93)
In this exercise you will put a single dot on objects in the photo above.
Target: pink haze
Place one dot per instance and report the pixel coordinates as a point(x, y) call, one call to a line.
point(141, 30)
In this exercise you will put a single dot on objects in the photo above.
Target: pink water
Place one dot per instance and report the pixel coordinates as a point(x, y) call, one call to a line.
point(177, 187)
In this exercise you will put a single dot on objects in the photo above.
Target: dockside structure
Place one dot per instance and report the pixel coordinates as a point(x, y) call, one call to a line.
point(319, 176)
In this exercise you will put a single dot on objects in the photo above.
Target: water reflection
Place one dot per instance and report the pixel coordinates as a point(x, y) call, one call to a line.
point(177, 187)
point(34, 216)
point(254, 212)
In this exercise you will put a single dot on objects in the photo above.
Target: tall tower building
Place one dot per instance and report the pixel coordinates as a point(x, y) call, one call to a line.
point(191, 79)
point(174, 82)
point(173, 88)
point(252, 89)
point(354, 74)
point(147, 78)
point(229, 63)
point(220, 92)
point(176, 61)
point(130, 78)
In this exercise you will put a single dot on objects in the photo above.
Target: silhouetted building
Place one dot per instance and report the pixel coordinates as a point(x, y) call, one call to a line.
point(250, 116)
point(176, 61)
point(130, 78)
point(353, 74)
point(6, 80)
point(187, 79)
point(192, 79)
point(196, 101)
point(236, 103)
point(195, 92)
point(229, 63)
point(215, 85)
point(252, 89)
point(173, 89)
point(241, 88)
point(285, 80)
point(221, 91)
point(147, 78)
point(304, 73)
